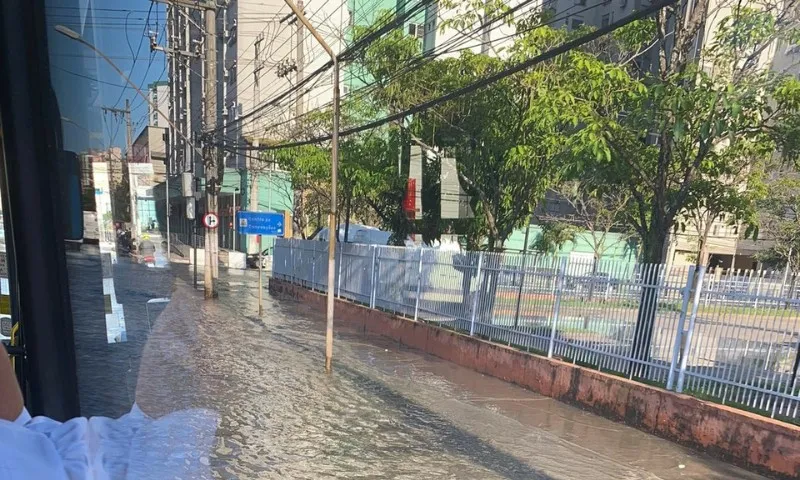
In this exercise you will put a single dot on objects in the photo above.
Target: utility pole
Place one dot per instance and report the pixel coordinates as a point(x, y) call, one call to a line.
point(254, 165)
point(126, 114)
point(486, 33)
point(332, 230)
point(73, 35)
point(211, 238)
point(177, 57)
point(300, 60)
point(211, 271)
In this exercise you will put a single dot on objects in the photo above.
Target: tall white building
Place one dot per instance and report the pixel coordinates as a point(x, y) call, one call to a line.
point(159, 96)
point(264, 53)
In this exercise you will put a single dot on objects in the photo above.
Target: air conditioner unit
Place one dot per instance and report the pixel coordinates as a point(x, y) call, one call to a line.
point(416, 30)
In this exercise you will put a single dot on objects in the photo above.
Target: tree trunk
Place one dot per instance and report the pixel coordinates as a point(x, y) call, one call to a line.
point(702, 253)
point(652, 257)
point(338, 222)
point(595, 261)
point(347, 203)
point(492, 264)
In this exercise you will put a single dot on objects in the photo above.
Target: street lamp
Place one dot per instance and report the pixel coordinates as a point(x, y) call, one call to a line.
point(73, 35)
point(334, 178)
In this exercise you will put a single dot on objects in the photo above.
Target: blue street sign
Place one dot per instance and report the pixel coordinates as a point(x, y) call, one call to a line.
point(260, 223)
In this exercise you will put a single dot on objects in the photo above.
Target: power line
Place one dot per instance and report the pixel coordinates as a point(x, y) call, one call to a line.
point(397, 20)
point(240, 86)
point(553, 52)
point(326, 66)
point(95, 9)
point(87, 77)
point(139, 48)
point(444, 49)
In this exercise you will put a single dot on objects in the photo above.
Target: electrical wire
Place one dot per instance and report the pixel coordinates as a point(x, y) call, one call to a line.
point(397, 20)
point(444, 49)
point(138, 49)
point(322, 53)
point(432, 54)
point(87, 77)
point(472, 87)
point(241, 87)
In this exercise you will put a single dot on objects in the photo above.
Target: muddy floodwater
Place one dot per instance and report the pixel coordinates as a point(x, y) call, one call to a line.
point(387, 411)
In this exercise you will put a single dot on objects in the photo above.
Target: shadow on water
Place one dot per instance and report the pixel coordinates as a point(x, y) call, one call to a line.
point(448, 437)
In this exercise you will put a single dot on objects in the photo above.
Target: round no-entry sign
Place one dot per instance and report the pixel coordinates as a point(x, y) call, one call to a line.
point(211, 220)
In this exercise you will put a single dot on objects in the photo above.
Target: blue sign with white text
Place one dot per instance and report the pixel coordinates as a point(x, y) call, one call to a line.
point(260, 223)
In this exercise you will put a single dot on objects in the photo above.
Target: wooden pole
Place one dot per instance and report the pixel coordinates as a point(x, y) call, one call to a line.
point(260, 278)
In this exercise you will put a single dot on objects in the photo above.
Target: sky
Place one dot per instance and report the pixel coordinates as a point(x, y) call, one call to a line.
point(120, 29)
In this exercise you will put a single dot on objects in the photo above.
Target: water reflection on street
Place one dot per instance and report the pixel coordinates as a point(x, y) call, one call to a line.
point(386, 412)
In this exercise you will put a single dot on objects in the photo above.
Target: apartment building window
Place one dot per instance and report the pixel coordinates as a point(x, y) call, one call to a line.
point(416, 30)
point(580, 2)
point(605, 20)
point(430, 26)
point(231, 71)
point(623, 3)
point(576, 23)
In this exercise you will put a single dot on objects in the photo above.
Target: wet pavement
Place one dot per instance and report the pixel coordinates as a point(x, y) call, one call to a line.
point(389, 412)
point(386, 412)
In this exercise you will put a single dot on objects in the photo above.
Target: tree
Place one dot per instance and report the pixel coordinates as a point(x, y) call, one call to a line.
point(596, 214)
point(369, 187)
point(554, 236)
point(722, 199)
point(779, 219)
point(661, 135)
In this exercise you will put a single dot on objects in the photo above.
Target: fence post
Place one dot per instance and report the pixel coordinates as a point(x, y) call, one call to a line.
point(291, 261)
point(313, 266)
point(477, 294)
point(373, 279)
point(676, 348)
point(419, 286)
point(559, 290)
point(521, 286)
point(758, 287)
point(698, 287)
point(339, 280)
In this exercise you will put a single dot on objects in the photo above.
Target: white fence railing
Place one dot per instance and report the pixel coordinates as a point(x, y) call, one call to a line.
point(731, 338)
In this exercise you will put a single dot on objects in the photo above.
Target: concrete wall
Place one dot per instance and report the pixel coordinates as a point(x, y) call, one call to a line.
point(759, 443)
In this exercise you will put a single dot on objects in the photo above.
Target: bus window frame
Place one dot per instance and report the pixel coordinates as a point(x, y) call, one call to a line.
point(34, 240)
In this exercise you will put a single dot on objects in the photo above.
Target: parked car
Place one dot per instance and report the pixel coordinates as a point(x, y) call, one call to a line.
point(252, 259)
point(595, 281)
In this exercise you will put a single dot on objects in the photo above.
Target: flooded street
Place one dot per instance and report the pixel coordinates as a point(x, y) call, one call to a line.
point(388, 412)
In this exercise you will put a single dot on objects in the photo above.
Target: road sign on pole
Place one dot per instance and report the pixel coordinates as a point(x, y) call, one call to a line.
point(211, 220)
point(260, 223)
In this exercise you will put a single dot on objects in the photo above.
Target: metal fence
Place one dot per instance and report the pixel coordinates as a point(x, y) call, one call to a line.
point(730, 337)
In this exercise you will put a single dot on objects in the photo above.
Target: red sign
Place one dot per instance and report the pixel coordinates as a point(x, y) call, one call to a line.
point(410, 199)
point(211, 220)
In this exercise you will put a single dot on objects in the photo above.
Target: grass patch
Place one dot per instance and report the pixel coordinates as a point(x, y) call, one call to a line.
point(741, 406)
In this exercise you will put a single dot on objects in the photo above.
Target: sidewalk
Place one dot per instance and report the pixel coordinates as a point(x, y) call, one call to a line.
point(385, 412)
